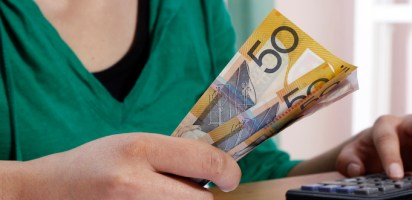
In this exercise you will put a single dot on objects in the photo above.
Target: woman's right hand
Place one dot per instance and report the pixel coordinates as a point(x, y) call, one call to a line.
point(130, 166)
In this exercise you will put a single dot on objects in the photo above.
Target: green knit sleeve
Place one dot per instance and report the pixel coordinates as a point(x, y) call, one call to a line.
point(5, 132)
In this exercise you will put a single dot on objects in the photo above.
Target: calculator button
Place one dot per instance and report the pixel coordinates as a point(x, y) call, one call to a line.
point(349, 180)
point(366, 185)
point(385, 188)
point(366, 191)
point(381, 183)
point(333, 183)
point(311, 187)
point(346, 189)
point(390, 182)
point(402, 184)
point(349, 183)
point(373, 181)
point(328, 188)
point(399, 184)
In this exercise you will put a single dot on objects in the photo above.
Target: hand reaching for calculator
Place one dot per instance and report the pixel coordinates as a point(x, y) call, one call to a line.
point(386, 146)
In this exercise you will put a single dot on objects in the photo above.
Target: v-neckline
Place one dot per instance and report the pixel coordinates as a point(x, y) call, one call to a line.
point(103, 103)
point(101, 94)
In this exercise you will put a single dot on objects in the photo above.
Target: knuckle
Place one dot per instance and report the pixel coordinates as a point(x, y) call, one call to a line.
point(384, 119)
point(116, 185)
point(215, 163)
point(406, 125)
point(341, 162)
point(136, 146)
point(382, 139)
point(348, 154)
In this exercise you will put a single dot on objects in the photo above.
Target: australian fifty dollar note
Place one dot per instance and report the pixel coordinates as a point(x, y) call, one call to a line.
point(278, 76)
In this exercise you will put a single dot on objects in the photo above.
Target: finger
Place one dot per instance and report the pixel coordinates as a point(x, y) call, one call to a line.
point(349, 162)
point(163, 187)
point(189, 158)
point(386, 141)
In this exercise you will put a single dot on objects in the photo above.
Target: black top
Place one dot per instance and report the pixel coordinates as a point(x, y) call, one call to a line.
point(120, 78)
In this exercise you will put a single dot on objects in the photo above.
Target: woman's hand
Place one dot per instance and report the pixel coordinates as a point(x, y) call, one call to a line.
point(386, 146)
point(130, 166)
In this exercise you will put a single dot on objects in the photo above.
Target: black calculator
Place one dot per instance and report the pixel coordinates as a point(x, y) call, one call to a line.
point(374, 186)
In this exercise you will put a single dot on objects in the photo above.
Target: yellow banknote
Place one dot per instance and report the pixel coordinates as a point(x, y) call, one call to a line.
point(277, 77)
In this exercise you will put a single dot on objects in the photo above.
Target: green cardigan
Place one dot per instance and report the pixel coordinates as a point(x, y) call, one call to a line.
point(50, 103)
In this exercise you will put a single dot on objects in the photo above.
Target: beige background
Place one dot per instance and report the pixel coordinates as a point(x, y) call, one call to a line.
point(331, 23)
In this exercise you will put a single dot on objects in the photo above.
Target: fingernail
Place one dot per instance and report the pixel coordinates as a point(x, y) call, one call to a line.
point(353, 169)
point(226, 189)
point(395, 170)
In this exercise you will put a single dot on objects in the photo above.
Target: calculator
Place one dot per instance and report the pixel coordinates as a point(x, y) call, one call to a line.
point(374, 186)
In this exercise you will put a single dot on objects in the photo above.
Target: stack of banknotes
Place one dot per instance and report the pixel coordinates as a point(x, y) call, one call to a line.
point(278, 76)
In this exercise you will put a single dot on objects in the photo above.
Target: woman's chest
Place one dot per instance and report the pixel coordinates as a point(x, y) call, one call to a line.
point(99, 32)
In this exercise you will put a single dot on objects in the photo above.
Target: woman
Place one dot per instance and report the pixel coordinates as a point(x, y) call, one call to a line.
point(75, 74)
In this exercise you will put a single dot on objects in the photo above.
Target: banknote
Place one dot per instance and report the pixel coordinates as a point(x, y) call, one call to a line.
point(329, 92)
point(247, 123)
point(263, 112)
point(276, 55)
point(277, 77)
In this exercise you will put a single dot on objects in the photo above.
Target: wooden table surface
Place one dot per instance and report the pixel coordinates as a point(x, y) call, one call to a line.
point(273, 189)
